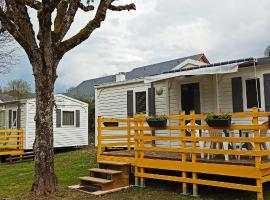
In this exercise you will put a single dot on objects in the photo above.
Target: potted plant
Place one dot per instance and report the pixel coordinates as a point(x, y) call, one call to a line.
point(110, 123)
point(157, 121)
point(218, 120)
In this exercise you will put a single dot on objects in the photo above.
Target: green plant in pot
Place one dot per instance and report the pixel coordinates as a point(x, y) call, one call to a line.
point(157, 121)
point(218, 120)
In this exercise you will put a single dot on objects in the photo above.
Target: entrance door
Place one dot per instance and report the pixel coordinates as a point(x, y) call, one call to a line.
point(190, 98)
point(12, 119)
point(2, 120)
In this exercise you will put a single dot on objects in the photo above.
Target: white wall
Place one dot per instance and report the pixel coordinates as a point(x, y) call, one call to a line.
point(111, 102)
point(63, 136)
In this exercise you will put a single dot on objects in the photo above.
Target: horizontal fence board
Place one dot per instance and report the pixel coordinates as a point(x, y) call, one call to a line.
point(200, 182)
point(204, 168)
point(207, 151)
point(205, 139)
point(11, 152)
point(11, 131)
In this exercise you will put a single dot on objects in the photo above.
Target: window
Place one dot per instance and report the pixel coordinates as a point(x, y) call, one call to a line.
point(68, 118)
point(140, 100)
point(253, 93)
point(14, 118)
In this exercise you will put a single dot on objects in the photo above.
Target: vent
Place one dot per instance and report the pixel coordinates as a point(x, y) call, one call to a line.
point(120, 77)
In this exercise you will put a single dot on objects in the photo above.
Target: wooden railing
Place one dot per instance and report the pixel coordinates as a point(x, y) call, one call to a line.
point(138, 135)
point(126, 127)
point(11, 141)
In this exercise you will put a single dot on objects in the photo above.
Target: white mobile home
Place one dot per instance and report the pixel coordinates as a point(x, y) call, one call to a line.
point(232, 86)
point(70, 120)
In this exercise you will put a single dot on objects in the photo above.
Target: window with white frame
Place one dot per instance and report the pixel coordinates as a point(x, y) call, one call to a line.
point(140, 102)
point(68, 118)
point(253, 94)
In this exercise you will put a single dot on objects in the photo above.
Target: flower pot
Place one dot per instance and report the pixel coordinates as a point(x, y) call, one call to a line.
point(219, 122)
point(160, 123)
point(110, 124)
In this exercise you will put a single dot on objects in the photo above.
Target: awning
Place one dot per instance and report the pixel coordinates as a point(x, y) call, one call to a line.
point(221, 69)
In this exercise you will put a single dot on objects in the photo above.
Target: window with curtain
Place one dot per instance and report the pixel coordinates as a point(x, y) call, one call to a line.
point(140, 100)
point(68, 118)
point(253, 93)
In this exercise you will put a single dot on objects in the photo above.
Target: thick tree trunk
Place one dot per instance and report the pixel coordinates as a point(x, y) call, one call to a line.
point(45, 179)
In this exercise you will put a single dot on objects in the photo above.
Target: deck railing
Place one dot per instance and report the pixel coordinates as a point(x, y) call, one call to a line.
point(11, 142)
point(137, 135)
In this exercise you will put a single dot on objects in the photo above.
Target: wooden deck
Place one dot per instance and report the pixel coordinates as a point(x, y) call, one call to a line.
point(218, 159)
point(137, 137)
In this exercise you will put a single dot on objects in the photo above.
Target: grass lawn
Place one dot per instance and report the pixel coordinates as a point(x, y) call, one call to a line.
point(16, 179)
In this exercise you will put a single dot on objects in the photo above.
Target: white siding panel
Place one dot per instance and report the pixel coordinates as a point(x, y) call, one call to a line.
point(63, 136)
point(111, 102)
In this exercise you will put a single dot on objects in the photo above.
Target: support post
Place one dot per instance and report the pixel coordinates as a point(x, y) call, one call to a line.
point(258, 158)
point(142, 118)
point(193, 155)
point(128, 133)
point(184, 157)
point(99, 137)
point(21, 139)
point(136, 146)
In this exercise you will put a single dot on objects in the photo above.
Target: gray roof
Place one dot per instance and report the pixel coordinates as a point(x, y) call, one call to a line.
point(158, 68)
point(6, 98)
point(86, 88)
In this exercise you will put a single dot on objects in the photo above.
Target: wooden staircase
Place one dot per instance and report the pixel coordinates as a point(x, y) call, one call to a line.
point(109, 177)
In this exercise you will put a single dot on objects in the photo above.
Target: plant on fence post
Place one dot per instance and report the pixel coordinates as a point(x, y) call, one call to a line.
point(218, 120)
point(157, 121)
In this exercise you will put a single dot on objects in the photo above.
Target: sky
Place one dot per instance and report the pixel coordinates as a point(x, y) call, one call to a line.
point(159, 30)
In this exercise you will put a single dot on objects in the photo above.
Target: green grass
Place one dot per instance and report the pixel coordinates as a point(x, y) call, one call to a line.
point(16, 180)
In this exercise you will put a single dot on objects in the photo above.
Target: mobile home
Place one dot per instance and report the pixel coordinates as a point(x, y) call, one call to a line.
point(70, 120)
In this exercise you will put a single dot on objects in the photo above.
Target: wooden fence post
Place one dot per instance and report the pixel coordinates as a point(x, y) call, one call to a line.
point(99, 136)
point(184, 146)
point(136, 146)
point(142, 182)
point(258, 158)
point(21, 139)
point(194, 155)
point(129, 132)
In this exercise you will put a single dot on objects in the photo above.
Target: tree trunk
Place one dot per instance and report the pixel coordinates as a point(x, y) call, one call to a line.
point(45, 180)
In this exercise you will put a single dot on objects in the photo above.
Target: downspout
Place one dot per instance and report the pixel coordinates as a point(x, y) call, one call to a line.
point(217, 93)
point(169, 85)
point(153, 131)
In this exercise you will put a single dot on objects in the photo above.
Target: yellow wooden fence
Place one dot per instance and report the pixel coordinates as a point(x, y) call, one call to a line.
point(137, 135)
point(11, 142)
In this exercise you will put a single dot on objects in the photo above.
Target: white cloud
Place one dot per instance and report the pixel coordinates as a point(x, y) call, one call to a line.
point(160, 30)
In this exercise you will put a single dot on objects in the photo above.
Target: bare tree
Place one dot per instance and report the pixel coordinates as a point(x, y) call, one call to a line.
point(45, 50)
point(7, 49)
point(18, 89)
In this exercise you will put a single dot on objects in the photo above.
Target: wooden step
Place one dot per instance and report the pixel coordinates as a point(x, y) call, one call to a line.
point(105, 171)
point(95, 180)
point(113, 163)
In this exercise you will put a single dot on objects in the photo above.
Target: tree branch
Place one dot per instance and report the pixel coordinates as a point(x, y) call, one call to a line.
point(86, 8)
point(12, 29)
point(121, 8)
point(33, 4)
point(84, 33)
point(61, 13)
point(63, 21)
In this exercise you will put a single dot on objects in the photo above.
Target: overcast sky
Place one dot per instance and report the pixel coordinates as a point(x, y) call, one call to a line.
point(158, 31)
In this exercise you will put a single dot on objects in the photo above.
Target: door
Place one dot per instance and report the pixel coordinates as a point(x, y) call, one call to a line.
point(190, 98)
point(2, 120)
point(12, 119)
